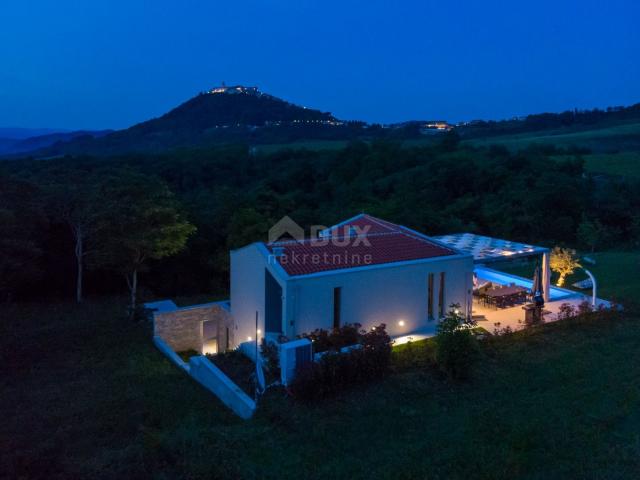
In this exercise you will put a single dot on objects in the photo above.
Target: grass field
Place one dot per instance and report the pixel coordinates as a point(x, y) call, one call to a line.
point(625, 137)
point(616, 273)
point(86, 395)
point(615, 150)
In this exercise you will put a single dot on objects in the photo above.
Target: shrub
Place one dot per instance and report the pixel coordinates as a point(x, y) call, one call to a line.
point(413, 355)
point(336, 371)
point(271, 354)
point(376, 346)
point(456, 345)
point(566, 310)
point(344, 336)
point(585, 307)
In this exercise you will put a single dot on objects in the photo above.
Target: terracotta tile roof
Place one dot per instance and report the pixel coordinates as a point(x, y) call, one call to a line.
point(358, 242)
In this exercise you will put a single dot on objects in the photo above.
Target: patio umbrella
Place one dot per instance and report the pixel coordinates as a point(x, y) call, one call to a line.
point(537, 290)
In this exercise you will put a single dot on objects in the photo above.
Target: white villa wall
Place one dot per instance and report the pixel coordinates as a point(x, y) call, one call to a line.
point(372, 296)
point(247, 290)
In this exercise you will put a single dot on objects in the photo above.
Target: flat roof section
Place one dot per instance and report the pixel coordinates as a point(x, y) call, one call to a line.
point(487, 249)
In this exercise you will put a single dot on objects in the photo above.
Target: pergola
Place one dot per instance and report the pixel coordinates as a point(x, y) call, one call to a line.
point(488, 249)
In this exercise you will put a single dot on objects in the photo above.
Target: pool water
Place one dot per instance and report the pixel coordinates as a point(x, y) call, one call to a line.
point(555, 293)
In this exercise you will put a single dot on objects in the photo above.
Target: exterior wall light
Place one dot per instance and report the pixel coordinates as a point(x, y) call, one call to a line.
point(248, 339)
point(401, 323)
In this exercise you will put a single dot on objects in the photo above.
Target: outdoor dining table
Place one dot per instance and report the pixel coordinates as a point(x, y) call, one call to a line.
point(505, 291)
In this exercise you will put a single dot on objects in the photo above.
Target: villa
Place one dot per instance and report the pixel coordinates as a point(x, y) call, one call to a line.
point(363, 270)
point(369, 271)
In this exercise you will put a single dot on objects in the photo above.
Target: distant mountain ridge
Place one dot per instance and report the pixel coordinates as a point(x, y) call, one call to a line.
point(245, 115)
point(29, 144)
point(20, 133)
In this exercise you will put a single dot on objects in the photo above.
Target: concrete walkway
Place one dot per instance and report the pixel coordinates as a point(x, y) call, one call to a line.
point(514, 317)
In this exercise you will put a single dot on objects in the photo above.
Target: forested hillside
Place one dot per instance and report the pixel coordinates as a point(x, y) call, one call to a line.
point(232, 197)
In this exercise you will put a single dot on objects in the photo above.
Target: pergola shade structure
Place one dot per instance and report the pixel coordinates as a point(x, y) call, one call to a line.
point(489, 249)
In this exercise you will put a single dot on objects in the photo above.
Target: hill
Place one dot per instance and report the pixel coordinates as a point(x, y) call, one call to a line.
point(234, 115)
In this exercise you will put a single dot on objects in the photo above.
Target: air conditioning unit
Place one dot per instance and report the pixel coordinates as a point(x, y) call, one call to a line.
point(293, 355)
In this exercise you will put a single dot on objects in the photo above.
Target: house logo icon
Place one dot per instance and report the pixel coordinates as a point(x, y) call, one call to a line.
point(286, 229)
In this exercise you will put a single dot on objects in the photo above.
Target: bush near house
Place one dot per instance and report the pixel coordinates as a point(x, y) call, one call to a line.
point(456, 344)
point(271, 355)
point(336, 371)
point(343, 336)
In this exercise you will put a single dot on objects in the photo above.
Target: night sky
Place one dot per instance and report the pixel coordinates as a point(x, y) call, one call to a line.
point(109, 64)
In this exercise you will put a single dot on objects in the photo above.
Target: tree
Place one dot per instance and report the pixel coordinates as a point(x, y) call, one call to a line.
point(143, 222)
point(456, 345)
point(564, 262)
point(591, 233)
point(73, 198)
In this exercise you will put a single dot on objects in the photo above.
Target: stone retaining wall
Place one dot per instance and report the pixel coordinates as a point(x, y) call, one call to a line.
point(181, 329)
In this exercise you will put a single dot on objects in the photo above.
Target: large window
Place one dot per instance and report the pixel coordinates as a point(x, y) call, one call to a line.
point(430, 297)
point(441, 306)
point(337, 305)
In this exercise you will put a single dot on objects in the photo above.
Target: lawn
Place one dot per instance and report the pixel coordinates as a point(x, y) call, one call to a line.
point(86, 395)
point(616, 273)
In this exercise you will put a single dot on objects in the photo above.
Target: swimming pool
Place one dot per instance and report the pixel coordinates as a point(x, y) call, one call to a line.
point(555, 293)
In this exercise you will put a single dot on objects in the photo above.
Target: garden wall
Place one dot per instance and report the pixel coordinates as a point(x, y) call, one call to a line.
point(170, 354)
point(212, 378)
point(181, 328)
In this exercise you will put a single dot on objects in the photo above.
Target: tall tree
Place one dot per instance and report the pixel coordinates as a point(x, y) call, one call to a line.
point(73, 198)
point(143, 222)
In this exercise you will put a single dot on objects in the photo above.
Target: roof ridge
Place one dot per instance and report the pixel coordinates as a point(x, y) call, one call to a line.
point(383, 223)
point(327, 239)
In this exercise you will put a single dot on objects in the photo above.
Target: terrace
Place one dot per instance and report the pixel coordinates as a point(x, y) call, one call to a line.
point(499, 297)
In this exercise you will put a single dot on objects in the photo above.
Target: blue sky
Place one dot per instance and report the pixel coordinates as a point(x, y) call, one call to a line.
point(109, 64)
